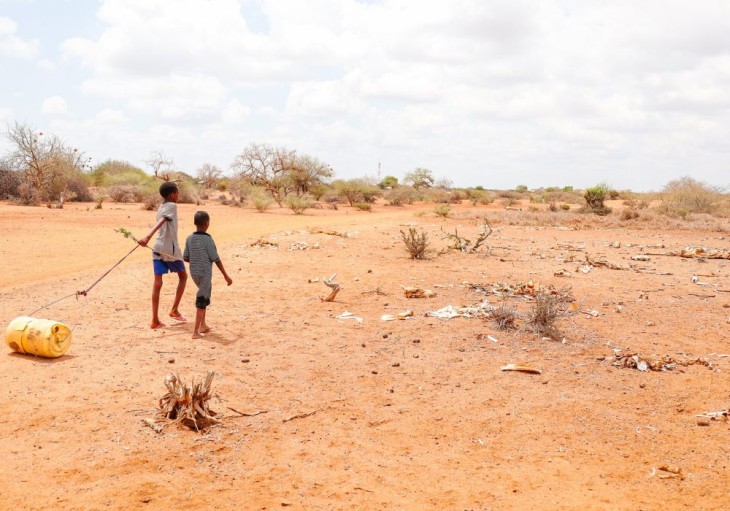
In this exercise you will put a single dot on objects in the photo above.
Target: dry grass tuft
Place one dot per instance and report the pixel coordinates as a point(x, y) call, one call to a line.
point(505, 317)
point(542, 317)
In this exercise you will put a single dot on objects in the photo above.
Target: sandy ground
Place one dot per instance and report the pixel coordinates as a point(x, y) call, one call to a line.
point(411, 414)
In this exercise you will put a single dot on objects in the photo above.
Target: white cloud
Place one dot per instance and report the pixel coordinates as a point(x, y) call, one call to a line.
point(14, 46)
point(112, 117)
point(54, 106)
point(235, 113)
point(498, 92)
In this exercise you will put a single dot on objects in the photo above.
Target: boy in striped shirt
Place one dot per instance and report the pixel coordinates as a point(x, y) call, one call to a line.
point(200, 252)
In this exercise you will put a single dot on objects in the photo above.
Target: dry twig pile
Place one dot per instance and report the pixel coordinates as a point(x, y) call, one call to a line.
point(188, 404)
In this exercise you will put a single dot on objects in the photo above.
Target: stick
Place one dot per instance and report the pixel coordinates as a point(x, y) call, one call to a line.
point(242, 414)
point(299, 416)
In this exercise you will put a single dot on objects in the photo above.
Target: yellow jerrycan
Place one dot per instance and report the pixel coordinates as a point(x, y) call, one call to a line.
point(42, 337)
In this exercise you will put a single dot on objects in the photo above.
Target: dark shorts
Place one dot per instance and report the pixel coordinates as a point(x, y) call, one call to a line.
point(202, 297)
point(162, 267)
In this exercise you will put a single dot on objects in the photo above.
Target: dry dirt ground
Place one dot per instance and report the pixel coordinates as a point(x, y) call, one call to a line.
point(412, 414)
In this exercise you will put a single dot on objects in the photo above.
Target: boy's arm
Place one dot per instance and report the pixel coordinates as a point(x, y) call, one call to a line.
point(146, 239)
point(219, 264)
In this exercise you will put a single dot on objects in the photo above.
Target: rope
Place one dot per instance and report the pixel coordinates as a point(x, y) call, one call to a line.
point(53, 303)
point(85, 292)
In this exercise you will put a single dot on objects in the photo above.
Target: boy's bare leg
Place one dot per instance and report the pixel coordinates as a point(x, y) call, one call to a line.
point(204, 328)
point(156, 288)
point(199, 320)
point(182, 280)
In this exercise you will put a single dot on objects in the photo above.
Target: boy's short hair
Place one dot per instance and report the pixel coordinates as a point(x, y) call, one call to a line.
point(168, 188)
point(201, 218)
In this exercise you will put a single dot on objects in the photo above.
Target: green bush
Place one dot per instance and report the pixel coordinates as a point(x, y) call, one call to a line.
point(299, 203)
point(442, 210)
point(261, 201)
point(595, 198)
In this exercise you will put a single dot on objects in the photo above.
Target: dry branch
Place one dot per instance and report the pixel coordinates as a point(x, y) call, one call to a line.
point(299, 416)
point(464, 244)
point(243, 414)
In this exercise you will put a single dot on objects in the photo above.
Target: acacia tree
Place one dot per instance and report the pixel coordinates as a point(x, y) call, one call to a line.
point(420, 178)
point(307, 173)
point(47, 167)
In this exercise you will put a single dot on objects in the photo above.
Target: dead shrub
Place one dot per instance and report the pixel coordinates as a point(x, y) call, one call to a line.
point(9, 184)
point(505, 317)
point(687, 195)
point(416, 244)
point(363, 206)
point(124, 193)
point(151, 200)
point(545, 312)
point(629, 214)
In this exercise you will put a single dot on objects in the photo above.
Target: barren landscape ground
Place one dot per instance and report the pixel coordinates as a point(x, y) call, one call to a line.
point(342, 414)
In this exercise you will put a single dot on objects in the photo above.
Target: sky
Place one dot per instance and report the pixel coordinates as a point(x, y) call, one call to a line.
point(497, 93)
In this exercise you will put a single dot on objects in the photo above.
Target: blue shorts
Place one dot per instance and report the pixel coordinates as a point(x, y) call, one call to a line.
point(162, 267)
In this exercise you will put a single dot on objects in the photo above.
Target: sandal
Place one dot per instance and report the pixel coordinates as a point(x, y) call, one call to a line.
point(157, 326)
point(178, 317)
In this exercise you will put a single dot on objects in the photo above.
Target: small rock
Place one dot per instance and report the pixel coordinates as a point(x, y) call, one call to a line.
point(703, 421)
point(374, 372)
point(385, 336)
point(245, 361)
point(416, 341)
point(171, 361)
point(650, 323)
point(396, 364)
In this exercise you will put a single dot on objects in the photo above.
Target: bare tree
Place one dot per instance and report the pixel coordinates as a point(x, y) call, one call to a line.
point(162, 167)
point(46, 165)
point(268, 167)
point(208, 175)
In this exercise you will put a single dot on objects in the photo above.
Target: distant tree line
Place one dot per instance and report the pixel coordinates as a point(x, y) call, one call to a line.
point(41, 169)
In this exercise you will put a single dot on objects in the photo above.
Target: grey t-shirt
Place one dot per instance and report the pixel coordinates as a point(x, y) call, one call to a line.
point(166, 244)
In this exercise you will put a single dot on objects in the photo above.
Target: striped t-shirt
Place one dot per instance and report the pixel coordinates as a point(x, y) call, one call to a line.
point(201, 253)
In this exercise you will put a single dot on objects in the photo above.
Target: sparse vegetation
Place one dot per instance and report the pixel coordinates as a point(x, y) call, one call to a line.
point(261, 201)
point(416, 244)
point(504, 317)
point(542, 317)
point(442, 210)
point(686, 195)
